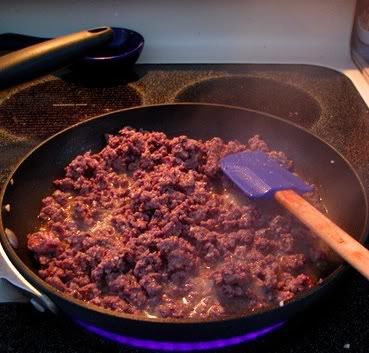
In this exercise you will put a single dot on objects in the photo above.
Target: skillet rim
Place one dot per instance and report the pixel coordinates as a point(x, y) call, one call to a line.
point(41, 285)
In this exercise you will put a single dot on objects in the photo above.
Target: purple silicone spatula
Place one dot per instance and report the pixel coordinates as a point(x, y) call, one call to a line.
point(259, 176)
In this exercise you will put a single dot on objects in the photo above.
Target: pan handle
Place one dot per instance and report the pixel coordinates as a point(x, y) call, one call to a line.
point(14, 287)
point(48, 56)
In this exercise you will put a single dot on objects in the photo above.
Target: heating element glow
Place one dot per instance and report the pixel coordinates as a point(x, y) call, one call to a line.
point(179, 346)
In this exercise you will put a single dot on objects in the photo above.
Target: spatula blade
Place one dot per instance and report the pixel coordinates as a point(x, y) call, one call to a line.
point(259, 176)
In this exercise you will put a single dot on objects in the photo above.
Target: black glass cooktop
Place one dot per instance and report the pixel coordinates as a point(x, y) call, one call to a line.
point(322, 100)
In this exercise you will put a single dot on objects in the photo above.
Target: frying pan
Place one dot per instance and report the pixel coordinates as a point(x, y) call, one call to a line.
point(342, 191)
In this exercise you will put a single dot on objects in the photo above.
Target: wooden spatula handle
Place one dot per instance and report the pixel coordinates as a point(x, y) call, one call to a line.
point(343, 244)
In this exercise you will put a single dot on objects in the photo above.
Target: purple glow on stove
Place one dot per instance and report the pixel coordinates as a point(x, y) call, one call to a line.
point(179, 346)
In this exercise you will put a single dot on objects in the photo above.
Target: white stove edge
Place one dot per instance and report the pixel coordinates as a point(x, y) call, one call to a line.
point(14, 288)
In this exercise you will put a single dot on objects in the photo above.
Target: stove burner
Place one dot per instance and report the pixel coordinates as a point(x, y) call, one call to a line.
point(180, 346)
point(46, 108)
point(278, 98)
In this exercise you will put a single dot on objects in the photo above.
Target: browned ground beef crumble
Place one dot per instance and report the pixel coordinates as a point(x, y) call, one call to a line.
point(150, 225)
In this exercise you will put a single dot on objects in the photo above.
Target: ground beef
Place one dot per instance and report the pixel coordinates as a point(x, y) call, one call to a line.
point(150, 225)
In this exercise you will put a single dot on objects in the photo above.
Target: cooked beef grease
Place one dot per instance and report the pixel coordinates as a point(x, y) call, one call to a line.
point(150, 226)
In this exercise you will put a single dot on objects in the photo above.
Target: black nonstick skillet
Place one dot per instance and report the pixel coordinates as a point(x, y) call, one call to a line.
point(341, 189)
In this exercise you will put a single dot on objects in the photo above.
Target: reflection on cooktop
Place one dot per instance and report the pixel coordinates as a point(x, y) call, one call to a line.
point(274, 97)
point(46, 108)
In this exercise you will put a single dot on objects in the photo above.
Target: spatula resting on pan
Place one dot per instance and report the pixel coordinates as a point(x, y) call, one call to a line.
point(259, 176)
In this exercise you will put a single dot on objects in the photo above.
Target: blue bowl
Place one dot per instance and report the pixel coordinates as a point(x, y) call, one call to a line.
point(121, 53)
point(124, 49)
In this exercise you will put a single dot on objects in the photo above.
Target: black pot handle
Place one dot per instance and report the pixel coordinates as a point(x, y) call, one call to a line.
point(48, 56)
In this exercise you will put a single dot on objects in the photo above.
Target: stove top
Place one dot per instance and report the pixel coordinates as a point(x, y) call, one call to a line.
point(319, 99)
